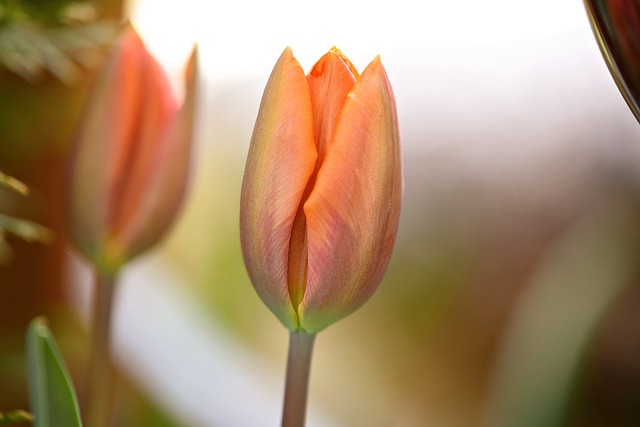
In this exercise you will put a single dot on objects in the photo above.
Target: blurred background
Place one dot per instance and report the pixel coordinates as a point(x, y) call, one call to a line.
point(511, 298)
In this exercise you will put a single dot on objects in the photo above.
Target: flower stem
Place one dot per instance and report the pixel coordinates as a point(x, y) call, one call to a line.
point(297, 382)
point(100, 377)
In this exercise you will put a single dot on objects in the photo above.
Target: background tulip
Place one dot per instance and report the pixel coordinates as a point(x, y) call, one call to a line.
point(322, 189)
point(129, 162)
point(126, 180)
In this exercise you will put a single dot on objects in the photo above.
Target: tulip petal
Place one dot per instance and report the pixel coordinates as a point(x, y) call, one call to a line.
point(347, 62)
point(151, 209)
point(139, 158)
point(353, 211)
point(129, 162)
point(281, 159)
point(100, 144)
point(330, 81)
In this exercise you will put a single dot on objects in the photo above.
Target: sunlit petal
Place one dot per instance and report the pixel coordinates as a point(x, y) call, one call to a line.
point(281, 159)
point(151, 209)
point(101, 143)
point(353, 210)
point(330, 81)
point(140, 155)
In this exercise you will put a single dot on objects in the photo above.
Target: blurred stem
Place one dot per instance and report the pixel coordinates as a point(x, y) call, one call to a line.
point(297, 382)
point(100, 377)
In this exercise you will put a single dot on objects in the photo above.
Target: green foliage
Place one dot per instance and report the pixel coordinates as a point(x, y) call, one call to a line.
point(58, 37)
point(52, 395)
point(25, 229)
point(13, 184)
point(18, 416)
point(44, 12)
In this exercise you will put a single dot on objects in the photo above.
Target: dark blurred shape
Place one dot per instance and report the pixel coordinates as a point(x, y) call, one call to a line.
point(610, 383)
point(561, 308)
point(616, 24)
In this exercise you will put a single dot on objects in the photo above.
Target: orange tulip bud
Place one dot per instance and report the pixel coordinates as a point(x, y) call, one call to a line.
point(322, 189)
point(129, 162)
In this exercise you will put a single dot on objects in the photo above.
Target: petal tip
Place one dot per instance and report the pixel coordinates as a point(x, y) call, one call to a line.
point(191, 70)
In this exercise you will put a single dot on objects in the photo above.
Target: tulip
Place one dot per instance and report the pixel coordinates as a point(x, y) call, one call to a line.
point(322, 189)
point(129, 161)
point(126, 179)
point(616, 24)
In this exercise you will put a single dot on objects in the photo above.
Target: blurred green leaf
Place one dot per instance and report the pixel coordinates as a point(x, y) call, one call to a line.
point(52, 37)
point(31, 51)
point(18, 416)
point(13, 184)
point(47, 12)
point(53, 398)
point(27, 230)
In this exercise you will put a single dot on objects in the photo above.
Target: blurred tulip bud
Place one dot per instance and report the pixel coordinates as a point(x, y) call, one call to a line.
point(129, 162)
point(322, 189)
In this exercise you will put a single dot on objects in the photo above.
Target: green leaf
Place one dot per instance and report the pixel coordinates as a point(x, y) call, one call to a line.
point(31, 51)
point(18, 416)
point(53, 398)
point(25, 229)
point(13, 184)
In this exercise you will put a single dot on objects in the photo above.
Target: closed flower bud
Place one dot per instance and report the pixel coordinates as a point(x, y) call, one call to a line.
point(129, 161)
point(322, 189)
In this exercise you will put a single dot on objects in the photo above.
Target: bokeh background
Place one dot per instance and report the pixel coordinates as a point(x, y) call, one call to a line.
point(511, 298)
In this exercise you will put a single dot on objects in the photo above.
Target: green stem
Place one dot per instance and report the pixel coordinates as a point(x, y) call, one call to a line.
point(297, 382)
point(100, 376)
